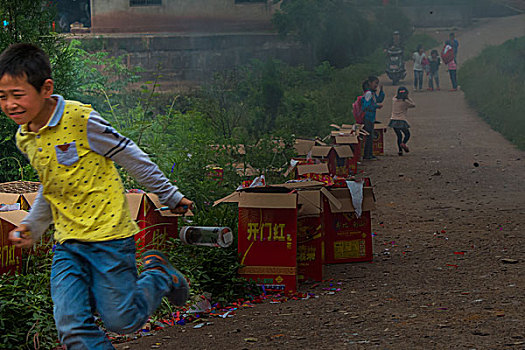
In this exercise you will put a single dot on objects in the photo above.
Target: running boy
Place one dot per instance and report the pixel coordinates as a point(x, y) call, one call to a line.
point(371, 102)
point(73, 149)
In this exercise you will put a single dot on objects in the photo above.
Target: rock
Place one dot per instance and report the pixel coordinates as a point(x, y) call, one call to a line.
point(509, 261)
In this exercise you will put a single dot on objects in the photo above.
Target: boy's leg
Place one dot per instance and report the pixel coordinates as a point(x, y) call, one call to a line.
point(430, 81)
point(124, 300)
point(420, 79)
point(415, 79)
point(70, 281)
point(436, 76)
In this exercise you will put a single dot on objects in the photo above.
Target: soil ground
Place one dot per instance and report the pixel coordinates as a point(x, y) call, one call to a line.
point(447, 215)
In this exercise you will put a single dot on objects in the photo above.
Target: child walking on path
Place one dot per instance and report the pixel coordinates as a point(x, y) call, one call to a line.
point(398, 121)
point(371, 102)
point(418, 57)
point(433, 74)
point(73, 149)
point(452, 69)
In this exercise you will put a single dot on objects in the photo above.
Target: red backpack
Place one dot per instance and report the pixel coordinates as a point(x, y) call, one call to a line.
point(357, 109)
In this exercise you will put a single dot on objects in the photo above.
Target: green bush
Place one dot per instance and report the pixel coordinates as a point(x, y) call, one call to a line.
point(494, 85)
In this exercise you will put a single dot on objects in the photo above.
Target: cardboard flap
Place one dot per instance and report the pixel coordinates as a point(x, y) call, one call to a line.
point(309, 203)
point(302, 147)
point(343, 195)
point(349, 126)
point(30, 197)
point(344, 151)
point(335, 126)
point(321, 151)
point(321, 168)
point(231, 198)
point(267, 200)
point(134, 203)
point(346, 139)
point(9, 198)
point(167, 213)
point(14, 217)
point(331, 198)
point(301, 184)
point(378, 126)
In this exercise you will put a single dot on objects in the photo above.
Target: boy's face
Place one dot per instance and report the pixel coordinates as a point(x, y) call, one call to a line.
point(21, 102)
point(434, 55)
point(374, 84)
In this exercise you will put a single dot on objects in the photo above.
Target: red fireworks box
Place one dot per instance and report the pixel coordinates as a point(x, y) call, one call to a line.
point(349, 137)
point(378, 148)
point(348, 238)
point(338, 157)
point(155, 226)
point(267, 242)
point(10, 256)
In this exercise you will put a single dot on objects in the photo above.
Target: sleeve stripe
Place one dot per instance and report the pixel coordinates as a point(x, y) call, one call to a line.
point(114, 148)
point(128, 141)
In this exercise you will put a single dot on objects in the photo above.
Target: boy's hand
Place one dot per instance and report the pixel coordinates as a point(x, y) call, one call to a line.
point(184, 205)
point(379, 105)
point(380, 87)
point(21, 237)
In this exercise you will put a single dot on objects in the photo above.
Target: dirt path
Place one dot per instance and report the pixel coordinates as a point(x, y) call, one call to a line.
point(448, 213)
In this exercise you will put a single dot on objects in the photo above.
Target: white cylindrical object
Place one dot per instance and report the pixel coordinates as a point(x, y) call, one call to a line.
point(206, 236)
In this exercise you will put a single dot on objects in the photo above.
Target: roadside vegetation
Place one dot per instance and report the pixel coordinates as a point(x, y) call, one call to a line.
point(497, 94)
point(262, 106)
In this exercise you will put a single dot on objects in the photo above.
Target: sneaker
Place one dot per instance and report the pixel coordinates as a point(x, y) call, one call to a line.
point(438, 89)
point(372, 158)
point(405, 147)
point(430, 89)
point(180, 290)
point(453, 90)
point(400, 153)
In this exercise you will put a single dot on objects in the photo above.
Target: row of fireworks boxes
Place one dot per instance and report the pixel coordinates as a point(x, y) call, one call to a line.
point(340, 157)
point(155, 226)
point(288, 232)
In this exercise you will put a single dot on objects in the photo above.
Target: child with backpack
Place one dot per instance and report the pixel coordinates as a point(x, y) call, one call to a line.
point(398, 121)
point(372, 101)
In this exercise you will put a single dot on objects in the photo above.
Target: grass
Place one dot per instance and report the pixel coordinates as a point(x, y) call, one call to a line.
point(494, 85)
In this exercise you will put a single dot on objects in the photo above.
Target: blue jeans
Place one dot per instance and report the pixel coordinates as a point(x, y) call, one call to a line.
point(101, 276)
point(431, 78)
point(369, 140)
point(453, 78)
point(400, 139)
point(418, 79)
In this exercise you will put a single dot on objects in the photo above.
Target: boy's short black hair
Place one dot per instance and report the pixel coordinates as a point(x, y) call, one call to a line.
point(28, 60)
point(372, 78)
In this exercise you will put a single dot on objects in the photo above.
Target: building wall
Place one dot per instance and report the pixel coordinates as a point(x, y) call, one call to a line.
point(117, 16)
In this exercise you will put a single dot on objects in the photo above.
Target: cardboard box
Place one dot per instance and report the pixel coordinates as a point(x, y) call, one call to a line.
point(303, 147)
point(316, 172)
point(10, 256)
point(155, 226)
point(378, 144)
point(348, 238)
point(267, 240)
point(338, 157)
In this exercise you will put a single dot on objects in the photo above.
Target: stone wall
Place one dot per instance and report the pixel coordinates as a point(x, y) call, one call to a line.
point(179, 57)
point(439, 16)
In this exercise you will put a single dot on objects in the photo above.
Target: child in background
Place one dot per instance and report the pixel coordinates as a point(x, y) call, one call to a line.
point(398, 121)
point(433, 74)
point(371, 102)
point(452, 69)
point(418, 57)
point(73, 149)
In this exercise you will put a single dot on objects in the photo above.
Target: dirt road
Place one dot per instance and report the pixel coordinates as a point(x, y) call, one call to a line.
point(447, 214)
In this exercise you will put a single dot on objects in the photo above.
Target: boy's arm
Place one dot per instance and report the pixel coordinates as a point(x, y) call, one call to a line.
point(106, 141)
point(39, 217)
point(410, 103)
